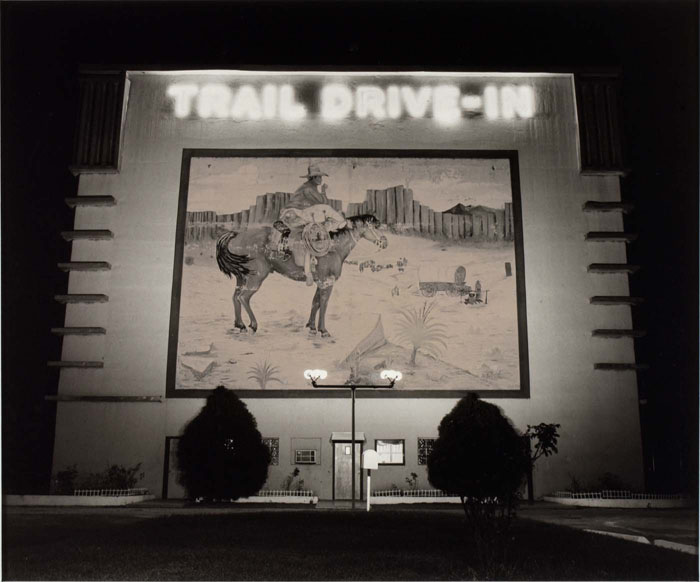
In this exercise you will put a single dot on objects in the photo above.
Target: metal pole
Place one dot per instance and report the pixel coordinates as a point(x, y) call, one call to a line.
point(352, 450)
point(369, 488)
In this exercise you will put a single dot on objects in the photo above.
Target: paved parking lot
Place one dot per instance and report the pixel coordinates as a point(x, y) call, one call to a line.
point(678, 527)
point(673, 528)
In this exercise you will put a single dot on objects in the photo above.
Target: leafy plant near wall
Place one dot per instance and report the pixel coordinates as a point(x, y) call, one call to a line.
point(418, 328)
point(115, 477)
point(611, 481)
point(606, 482)
point(288, 483)
point(221, 455)
point(479, 456)
point(64, 481)
point(545, 438)
point(412, 480)
point(574, 484)
point(263, 373)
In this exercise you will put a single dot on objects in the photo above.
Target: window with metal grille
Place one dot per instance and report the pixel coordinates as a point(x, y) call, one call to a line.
point(274, 445)
point(305, 456)
point(391, 452)
point(425, 447)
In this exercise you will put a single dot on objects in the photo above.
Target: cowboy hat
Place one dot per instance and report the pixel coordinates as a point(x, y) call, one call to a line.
point(314, 170)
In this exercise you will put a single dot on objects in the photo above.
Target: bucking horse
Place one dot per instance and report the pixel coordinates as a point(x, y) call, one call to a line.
point(250, 258)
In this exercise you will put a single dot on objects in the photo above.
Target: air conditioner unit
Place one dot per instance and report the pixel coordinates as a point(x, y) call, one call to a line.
point(305, 456)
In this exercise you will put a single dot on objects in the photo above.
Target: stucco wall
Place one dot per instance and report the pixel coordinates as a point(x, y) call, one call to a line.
point(598, 410)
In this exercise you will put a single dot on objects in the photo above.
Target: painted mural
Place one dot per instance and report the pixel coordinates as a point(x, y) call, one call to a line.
point(352, 265)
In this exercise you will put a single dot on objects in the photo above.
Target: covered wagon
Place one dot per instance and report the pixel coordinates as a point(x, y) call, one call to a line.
point(450, 280)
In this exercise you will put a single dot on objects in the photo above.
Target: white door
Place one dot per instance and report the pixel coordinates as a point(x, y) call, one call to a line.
point(342, 480)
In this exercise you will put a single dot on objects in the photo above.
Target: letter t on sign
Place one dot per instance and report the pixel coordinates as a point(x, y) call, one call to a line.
point(183, 94)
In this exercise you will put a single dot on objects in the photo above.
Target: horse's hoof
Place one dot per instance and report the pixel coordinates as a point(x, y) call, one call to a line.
point(253, 329)
point(243, 329)
point(325, 334)
point(312, 330)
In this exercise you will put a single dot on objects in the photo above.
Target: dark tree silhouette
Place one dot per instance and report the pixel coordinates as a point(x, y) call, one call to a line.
point(221, 455)
point(478, 454)
point(545, 437)
point(480, 457)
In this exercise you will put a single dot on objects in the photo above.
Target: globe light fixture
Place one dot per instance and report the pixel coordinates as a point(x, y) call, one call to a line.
point(391, 375)
point(315, 375)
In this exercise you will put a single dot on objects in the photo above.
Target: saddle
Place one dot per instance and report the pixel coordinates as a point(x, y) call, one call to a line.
point(286, 242)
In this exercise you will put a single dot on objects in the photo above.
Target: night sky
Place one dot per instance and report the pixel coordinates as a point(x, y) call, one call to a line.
point(653, 44)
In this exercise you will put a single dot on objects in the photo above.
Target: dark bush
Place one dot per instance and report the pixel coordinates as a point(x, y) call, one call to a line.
point(480, 457)
point(221, 455)
point(478, 454)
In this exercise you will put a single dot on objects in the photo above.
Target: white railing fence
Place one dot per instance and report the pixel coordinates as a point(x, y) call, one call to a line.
point(109, 492)
point(409, 493)
point(611, 494)
point(282, 493)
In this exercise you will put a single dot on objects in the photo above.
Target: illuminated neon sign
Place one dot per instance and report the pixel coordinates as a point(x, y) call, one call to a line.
point(445, 103)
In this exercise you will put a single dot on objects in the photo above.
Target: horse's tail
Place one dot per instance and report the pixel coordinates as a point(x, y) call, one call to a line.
point(230, 263)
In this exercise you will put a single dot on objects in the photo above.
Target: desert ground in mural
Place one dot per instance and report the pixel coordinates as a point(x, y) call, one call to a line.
point(480, 348)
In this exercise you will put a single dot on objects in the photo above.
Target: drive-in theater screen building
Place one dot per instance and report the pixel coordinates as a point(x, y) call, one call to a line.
point(473, 241)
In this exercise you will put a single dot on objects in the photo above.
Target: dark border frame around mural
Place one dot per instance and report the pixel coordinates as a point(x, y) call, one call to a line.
point(188, 154)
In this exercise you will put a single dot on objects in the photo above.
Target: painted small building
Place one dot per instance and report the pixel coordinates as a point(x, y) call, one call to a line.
point(482, 251)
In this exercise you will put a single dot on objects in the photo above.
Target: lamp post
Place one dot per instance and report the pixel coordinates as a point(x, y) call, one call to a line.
point(392, 376)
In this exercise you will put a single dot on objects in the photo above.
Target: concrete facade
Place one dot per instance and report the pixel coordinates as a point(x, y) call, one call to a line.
point(597, 410)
